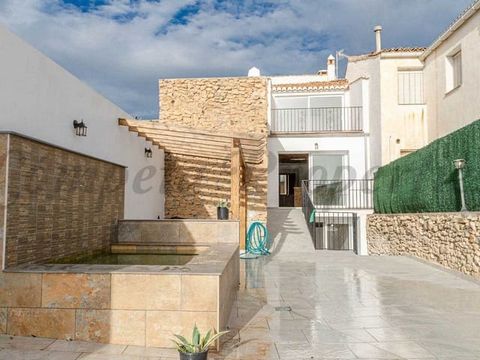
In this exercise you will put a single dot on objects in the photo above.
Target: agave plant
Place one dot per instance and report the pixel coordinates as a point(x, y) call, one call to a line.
point(198, 344)
point(223, 204)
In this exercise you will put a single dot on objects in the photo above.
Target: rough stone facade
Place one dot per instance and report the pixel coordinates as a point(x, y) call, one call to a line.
point(193, 185)
point(449, 239)
point(60, 204)
point(3, 177)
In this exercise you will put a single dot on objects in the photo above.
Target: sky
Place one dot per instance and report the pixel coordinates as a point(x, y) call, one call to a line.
point(122, 47)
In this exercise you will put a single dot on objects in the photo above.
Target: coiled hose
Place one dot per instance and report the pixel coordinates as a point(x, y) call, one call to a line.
point(257, 242)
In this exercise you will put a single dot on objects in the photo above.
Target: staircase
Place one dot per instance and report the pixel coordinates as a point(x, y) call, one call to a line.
point(289, 231)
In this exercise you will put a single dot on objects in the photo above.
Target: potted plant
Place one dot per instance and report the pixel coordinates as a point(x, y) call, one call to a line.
point(197, 349)
point(222, 210)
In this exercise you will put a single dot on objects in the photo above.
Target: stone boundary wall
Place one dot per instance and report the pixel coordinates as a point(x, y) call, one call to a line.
point(59, 203)
point(3, 204)
point(448, 239)
point(194, 185)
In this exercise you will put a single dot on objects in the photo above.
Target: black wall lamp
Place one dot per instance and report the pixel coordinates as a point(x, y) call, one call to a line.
point(80, 128)
point(148, 152)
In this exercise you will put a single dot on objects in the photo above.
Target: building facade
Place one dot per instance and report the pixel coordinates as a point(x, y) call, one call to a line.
point(397, 109)
point(452, 75)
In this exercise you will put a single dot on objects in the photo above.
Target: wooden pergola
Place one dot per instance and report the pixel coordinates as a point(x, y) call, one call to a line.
point(240, 149)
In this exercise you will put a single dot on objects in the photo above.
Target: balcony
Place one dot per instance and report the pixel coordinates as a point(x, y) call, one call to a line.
point(340, 194)
point(317, 120)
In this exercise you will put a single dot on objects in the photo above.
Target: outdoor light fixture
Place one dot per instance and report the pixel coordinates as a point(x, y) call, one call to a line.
point(80, 128)
point(316, 146)
point(459, 165)
point(148, 152)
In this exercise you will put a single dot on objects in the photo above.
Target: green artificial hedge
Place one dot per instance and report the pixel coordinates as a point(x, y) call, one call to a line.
point(427, 181)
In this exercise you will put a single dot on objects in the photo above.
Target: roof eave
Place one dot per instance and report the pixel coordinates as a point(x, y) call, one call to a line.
point(458, 23)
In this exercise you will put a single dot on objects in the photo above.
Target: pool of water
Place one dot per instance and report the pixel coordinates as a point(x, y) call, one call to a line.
point(132, 259)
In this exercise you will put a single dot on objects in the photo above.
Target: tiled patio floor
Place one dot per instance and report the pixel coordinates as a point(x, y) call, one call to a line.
point(342, 307)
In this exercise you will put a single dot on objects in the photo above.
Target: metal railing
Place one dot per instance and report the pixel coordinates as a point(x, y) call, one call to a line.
point(308, 210)
point(340, 194)
point(324, 119)
point(329, 230)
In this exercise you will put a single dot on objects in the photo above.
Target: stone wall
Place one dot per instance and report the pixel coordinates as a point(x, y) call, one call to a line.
point(60, 203)
point(448, 239)
point(3, 178)
point(193, 185)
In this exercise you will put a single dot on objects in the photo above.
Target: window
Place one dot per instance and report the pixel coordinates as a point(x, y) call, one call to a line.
point(410, 87)
point(457, 69)
point(453, 71)
point(327, 166)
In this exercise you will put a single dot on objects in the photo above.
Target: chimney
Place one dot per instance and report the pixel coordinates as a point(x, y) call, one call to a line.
point(331, 71)
point(378, 38)
point(253, 72)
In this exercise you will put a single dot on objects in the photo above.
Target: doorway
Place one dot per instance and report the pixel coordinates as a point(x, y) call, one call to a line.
point(293, 168)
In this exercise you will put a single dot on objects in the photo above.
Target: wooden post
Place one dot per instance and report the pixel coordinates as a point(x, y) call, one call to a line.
point(243, 210)
point(235, 182)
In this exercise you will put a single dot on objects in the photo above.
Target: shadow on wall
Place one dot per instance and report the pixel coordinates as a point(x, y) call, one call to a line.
point(194, 187)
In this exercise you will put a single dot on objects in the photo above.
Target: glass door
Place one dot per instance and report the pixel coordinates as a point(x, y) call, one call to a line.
point(327, 172)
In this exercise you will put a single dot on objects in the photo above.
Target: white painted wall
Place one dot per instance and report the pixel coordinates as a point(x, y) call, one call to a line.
point(453, 110)
point(40, 99)
point(369, 71)
point(389, 121)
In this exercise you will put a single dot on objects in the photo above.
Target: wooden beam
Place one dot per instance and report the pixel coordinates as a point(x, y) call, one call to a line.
point(243, 214)
point(199, 155)
point(235, 184)
point(156, 125)
point(195, 139)
point(204, 145)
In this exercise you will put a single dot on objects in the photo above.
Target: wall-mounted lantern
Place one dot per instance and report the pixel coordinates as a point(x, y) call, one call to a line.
point(459, 165)
point(148, 152)
point(316, 146)
point(80, 128)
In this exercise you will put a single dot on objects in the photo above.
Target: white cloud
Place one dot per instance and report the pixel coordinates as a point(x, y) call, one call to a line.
point(123, 56)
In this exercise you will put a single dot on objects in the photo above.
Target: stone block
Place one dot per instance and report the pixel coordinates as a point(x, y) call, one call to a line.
point(76, 291)
point(151, 292)
point(199, 293)
point(47, 323)
point(20, 289)
point(129, 232)
point(3, 320)
point(161, 231)
point(126, 327)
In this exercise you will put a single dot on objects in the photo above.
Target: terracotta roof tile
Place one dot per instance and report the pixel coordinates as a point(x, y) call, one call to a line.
point(340, 84)
point(389, 50)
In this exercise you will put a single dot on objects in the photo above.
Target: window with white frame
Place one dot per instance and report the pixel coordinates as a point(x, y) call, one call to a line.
point(453, 74)
point(410, 87)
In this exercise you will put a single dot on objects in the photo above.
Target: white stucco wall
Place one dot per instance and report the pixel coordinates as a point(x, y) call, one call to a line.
point(40, 99)
point(453, 110)
point(370, 70)
point(353, 146)
point(403, 126)
point(393, 126)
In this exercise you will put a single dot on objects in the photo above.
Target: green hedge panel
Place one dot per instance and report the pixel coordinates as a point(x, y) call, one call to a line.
point(427, 181)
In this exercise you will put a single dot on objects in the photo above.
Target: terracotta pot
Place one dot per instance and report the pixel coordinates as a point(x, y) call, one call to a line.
point(196, 356)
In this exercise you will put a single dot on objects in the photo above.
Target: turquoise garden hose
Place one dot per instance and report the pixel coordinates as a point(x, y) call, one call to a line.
point(257, 242)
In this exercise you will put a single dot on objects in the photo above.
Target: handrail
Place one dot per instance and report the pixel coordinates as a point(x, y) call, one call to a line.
point(340, 194)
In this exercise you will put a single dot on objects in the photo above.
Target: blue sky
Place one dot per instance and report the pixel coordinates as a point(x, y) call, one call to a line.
point(122, 47)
